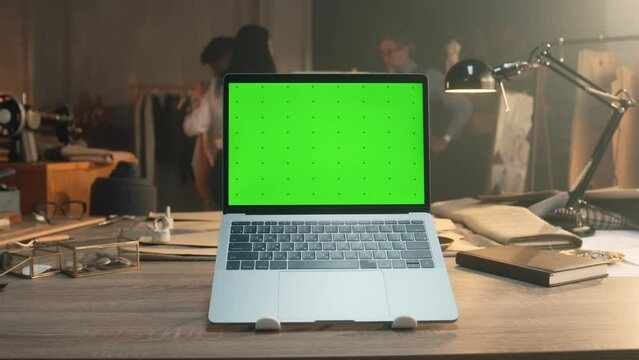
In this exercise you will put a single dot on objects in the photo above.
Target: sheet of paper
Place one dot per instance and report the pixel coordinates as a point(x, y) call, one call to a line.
point(196, 239)
point(169, 250)
point(191, 226)
point(191, 216)
point(450, 235)
point(623, 241)
point(444, 225)
point(462, 245)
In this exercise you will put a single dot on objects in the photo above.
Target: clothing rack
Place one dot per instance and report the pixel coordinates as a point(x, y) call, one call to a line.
point(145, 142)
point(164, 150)
point(185, 92)
point(539, 118)
point(141, 89)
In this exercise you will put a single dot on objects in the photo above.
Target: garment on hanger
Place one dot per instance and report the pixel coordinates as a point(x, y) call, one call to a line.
point(171, 143)
point(137, 127)
point(148, 130)
point(164, 152)
point(173, 151)
point(511, 146)
point(143, 138)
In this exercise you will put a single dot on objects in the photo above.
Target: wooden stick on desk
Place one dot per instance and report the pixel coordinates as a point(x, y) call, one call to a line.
point(52, 238)
point(45, 230)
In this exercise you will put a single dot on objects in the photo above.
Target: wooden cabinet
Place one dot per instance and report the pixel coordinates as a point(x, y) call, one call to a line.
point(55, 182)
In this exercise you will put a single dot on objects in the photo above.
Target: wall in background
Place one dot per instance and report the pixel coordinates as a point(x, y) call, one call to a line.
point(113, 44)
point(289, 22)
point(346, 32)
point(621, 20)
point(58, 49)
point(14, 67)
point(48, 49)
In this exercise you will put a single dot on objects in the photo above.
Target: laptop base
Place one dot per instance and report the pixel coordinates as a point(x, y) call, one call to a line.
point(273, 324)
point(363, 295)
point(404, 323)
point(268, 324)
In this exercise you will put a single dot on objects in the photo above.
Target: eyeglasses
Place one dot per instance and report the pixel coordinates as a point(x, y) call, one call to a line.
point(390, 51)
point(70, 209)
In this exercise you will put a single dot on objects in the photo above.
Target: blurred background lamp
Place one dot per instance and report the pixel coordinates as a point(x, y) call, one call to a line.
point(470, 76)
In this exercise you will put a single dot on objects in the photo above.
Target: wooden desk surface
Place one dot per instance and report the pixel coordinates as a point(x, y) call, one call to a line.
point(160, 312)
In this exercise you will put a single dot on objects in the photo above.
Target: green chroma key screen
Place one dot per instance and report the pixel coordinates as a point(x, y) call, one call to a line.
point(325, 143)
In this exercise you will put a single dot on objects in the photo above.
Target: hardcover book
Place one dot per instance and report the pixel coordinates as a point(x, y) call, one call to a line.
point(537, 266)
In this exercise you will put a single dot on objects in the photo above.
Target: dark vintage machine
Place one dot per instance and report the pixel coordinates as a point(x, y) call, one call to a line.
point(19, 122)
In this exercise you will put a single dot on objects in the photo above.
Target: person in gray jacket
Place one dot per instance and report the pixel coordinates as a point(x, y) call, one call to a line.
point(449, 113)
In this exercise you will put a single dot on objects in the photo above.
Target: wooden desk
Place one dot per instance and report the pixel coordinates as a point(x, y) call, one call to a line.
point(55, 182)
point(160, 312)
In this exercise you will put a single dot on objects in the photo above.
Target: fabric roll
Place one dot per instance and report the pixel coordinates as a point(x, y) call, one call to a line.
point(100, 156)
point(505, 224)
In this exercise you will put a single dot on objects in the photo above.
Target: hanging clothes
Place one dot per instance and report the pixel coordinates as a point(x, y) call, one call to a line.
point(164, 152)
point(173, 150)
point(144, 139)
point(171, 143)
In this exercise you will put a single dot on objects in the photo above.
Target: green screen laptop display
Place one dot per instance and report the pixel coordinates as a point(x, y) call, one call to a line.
point(325, 143)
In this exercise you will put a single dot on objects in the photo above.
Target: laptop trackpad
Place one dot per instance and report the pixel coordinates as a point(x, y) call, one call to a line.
point(332, 295)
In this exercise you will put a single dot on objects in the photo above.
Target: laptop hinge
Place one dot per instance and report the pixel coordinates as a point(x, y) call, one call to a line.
point(331, 213)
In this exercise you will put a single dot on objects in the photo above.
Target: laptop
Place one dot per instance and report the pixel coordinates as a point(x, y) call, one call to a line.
point(326, 209)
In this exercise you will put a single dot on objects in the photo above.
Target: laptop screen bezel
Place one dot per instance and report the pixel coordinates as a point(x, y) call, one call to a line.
point(326, 78)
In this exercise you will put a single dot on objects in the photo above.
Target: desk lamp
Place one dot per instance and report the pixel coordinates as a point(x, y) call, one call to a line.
point(474, 76)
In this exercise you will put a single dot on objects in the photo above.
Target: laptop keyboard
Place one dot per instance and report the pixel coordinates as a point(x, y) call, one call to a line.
point(301, 245)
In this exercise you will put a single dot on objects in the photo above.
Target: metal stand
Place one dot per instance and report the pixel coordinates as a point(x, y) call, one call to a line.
point(539, 119)
point(573, 198)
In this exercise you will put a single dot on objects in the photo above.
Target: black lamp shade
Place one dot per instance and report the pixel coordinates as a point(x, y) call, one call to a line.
point(470, 76)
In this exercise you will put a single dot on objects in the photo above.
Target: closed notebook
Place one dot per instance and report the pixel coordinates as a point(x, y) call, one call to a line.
point(543, 267)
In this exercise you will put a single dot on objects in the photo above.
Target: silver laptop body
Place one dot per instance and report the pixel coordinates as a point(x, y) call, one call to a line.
point(326, 214)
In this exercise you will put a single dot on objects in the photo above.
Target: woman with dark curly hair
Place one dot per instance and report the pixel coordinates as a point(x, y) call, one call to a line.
point(252, 53)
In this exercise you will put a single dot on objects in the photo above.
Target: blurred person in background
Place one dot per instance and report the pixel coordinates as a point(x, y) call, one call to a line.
point(449, 113)
point(205, 118)
point(252, 53)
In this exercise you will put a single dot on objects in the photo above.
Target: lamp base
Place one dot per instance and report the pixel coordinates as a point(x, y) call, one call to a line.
point(572, 220)
point(583, 218)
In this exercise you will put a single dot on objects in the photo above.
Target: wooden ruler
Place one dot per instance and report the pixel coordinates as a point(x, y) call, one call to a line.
point(41, 230)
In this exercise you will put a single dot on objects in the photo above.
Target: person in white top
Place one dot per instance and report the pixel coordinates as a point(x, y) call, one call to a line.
point(205, 117)
point(252, 54)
